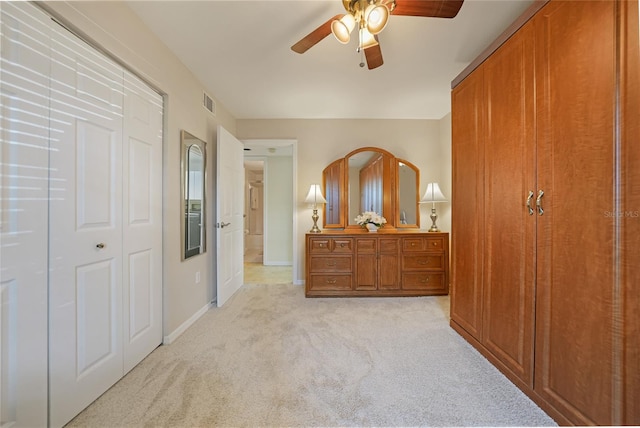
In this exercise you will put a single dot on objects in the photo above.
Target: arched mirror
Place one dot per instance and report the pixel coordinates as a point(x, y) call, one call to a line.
point(371, 179)
point(193, 176)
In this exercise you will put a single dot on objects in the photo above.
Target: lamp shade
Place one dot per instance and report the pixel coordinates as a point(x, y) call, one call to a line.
point(376, 17)
point(314, 197)
point(341, 28)
point(367, 39)
point(433, 194)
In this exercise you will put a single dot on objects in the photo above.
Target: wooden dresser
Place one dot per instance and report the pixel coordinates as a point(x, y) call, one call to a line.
point(394, 263)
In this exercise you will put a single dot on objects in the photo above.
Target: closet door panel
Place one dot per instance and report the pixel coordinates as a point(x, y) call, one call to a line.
point(627, 216)
point(467, 200)
point(142, 221)
point(575, 83)
point(24, 161)
point(85, 332)
point(509, 256)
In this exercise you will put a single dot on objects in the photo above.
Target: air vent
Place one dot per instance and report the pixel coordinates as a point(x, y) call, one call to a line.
point(209, 104)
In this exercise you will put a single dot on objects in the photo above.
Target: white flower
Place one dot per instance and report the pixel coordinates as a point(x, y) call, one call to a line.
point(370, 217)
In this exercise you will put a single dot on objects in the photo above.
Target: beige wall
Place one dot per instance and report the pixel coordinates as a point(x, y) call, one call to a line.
point(422, 142)
point(115, 28)
point(444, 174)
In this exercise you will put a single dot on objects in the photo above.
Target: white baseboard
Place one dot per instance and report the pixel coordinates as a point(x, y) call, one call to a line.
point(167, 340)
point(298, 282)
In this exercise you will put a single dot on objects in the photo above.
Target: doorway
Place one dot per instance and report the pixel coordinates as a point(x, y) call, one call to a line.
point(269, 231)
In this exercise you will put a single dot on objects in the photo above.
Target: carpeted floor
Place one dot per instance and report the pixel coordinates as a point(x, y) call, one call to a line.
point(270, 357)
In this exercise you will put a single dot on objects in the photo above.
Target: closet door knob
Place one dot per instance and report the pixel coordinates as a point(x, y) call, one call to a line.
point(529, 207)
point(100, 245)
point(539, 202)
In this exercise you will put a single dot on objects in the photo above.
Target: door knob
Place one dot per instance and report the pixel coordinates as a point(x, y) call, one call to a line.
point(223, 224)
point(100, 245)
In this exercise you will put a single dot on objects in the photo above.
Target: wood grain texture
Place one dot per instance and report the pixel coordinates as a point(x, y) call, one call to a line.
point(509, 236)
point(428, 8)
point(629, 210)
point(466, 203)
point(366, 273)
point(314, 37)
point(389, 263)
point(506, 34)
point(381, 266)
point(575, 83)
point(374, 56)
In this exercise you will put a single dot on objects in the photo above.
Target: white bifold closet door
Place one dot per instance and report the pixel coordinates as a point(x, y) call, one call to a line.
point(24, 163)
point(104, 224)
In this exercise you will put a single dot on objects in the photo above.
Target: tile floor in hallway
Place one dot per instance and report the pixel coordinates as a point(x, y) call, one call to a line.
point(257, 273)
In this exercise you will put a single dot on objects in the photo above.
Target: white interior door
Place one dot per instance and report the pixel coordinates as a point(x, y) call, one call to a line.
point(24, 162)
point(85, 335)
point(142, 221)
point(229, 215)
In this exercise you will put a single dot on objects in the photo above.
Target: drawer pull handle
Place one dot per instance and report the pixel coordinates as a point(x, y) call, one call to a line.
point(425, 280)
point(331, 281)
point(424, 262)
point(434, 244)
point(331, 263)
point(413, 244)
point(342, 245)
point(321, 245)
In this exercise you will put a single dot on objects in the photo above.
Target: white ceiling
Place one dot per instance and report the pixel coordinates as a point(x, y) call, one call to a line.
point(240, 51)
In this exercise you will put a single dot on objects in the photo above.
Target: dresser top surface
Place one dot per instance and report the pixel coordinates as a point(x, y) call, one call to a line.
point(382, 231)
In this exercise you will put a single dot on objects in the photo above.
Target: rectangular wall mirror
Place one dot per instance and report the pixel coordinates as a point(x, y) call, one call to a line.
point(193, 177)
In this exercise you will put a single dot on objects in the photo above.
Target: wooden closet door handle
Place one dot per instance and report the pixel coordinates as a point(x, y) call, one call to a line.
point(539, 202)
point(529, 198)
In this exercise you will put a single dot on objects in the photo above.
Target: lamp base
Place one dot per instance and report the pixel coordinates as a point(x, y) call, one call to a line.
point(315, 217)
point(434, 217)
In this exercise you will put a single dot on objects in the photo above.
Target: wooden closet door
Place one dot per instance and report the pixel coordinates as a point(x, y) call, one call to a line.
point(575, 84)
point(509, 252)
point(467, 221)
point(628, 211)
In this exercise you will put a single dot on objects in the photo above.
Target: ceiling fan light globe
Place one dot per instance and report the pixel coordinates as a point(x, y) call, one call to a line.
point(376, 17)
point(367, 40)
point(341, 28)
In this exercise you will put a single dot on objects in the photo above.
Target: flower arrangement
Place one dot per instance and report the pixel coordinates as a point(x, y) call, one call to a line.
point(370, 217)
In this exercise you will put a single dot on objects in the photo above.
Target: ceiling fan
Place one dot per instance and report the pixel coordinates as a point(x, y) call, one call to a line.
point(371, 17)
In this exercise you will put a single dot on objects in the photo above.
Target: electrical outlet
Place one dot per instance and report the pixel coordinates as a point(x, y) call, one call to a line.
point(198, 277)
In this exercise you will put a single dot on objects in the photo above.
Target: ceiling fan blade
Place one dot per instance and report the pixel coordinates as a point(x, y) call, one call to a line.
point(314, 37)
point(374, 56)
point(428, 8)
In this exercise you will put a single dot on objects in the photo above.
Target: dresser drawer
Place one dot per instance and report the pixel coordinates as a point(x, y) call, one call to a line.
point(342, 245)
point(422, 261)
point(330, 282)
point(319, 245)
point(434, 244)
point(330, 264)
point(422, 244)
point(423, 281)
point(330, 245)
